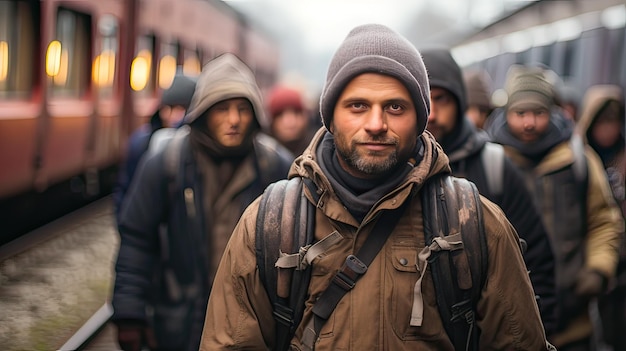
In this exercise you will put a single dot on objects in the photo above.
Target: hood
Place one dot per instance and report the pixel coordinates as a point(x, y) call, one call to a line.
point(560, 129)
point(444, 72)
point(595, 99)
point(434, 162)
point(225, 77)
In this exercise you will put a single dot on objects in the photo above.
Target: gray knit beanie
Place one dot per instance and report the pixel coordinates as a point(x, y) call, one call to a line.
point(528, 88)
point(374, 48)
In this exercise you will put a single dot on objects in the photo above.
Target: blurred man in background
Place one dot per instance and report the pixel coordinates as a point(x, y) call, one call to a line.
point(183, 205)
point(174, 103)
point(473, 157)
point(290, 123)
point(572, 192)
point(601, 125)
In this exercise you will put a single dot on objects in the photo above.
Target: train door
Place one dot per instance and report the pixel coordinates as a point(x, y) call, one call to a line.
point(20, 98)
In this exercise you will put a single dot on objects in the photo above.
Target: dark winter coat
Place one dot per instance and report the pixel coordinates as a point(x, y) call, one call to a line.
point(174, 226)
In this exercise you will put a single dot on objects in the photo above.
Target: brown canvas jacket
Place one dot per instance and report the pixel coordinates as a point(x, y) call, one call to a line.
point(375, 314)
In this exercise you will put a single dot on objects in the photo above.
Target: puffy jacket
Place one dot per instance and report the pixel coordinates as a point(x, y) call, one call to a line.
point(583, 222)
point(375, 314)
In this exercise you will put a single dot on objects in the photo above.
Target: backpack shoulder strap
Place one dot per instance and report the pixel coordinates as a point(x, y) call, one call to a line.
point(451, 206)
point(492, 157)
point(281, 228)
point(580, 160)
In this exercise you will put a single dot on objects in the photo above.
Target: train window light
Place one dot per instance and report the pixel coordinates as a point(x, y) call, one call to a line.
point(167, 65)
point(103, 73)
point(191, 65)
point(141, 70)
point(4, 60)
point(167, 71)
point(53, 58)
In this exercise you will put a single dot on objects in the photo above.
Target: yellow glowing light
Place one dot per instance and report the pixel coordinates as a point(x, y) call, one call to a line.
point(64, 67)
point(140, 70)
point(191, 66)
point(104, 69)
point(167, 71)
point(53, 58)
point(4, 60)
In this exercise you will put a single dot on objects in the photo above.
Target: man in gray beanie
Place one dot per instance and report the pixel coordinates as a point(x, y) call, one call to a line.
point(571, 189)
point(366, 173)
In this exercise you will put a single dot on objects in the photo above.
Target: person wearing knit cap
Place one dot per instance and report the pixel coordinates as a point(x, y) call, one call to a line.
point(370, 161)
point(479, 106)
point(175, 101)
point(570, 187)
point(472, 156)
point(190, 189)
point(290, 123)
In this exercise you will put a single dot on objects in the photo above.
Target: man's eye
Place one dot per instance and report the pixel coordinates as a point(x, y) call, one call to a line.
point(358, 105)
point(395, 107)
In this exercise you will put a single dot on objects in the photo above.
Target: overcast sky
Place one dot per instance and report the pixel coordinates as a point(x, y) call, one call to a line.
point(309, 31)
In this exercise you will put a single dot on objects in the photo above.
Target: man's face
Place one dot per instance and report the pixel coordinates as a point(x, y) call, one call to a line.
point(477, 115)
point(230, 120)
point(290, 125)
point(528, 125)
point(443, 112)
point(374, 124)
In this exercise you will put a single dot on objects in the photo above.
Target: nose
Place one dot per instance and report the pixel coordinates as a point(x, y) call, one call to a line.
point(376, 122)
point(529, 121)
point(234, 115)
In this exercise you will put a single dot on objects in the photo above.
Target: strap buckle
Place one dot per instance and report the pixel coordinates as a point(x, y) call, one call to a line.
point(350, 271)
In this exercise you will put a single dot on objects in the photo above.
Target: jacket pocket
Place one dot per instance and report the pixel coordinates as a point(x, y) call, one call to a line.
point(403, 274)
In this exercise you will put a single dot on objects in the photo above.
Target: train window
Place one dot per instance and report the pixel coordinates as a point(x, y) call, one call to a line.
point(191, 63)
point(167, 64)
point(104, 63)
point(568, 58)
point(68, 57)
point(18, 47)
point(142, 71)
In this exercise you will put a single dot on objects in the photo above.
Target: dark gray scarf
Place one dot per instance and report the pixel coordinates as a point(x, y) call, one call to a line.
point(357, 194)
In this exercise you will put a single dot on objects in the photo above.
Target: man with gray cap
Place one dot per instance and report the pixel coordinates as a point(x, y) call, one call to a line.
point(571, 190)
point(365, 173)
point(183, 205)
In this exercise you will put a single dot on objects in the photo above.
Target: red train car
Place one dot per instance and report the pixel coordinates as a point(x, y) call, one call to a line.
point(78, 76)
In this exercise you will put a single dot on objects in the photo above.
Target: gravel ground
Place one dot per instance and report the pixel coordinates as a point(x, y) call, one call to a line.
point(49, 291)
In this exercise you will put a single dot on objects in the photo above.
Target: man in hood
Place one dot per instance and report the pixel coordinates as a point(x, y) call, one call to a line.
point(570, 188)
point(183, 205)
point(496, 177)
point(370, 161)
point(602, 125)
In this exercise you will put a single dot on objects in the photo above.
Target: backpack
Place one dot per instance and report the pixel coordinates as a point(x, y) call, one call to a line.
point(282, 227)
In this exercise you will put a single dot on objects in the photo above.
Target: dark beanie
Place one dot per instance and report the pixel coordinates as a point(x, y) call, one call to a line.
point(528, 88)
point(180, 92)
point(374, 48)
point(478, 85)
point(282, 98)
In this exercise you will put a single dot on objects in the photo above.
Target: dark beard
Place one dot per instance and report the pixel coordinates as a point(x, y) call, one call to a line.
point(354, 160)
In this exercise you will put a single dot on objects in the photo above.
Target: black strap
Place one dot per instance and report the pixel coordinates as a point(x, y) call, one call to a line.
point(353, 268)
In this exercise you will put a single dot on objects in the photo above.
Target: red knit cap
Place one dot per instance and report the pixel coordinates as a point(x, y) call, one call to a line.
point(282, 98)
